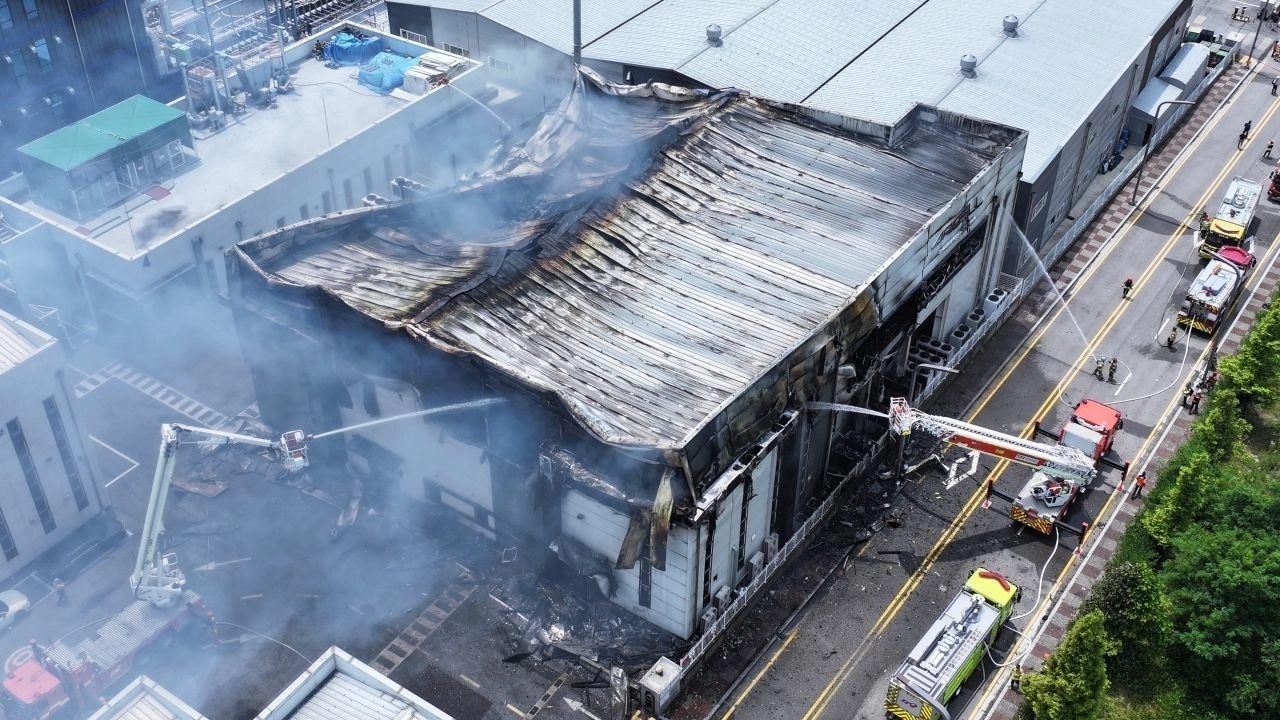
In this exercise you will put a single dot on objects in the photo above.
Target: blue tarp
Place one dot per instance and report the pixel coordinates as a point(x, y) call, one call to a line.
point(347, 49)
point(385, 72)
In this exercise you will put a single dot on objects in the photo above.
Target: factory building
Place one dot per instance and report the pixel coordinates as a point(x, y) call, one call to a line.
point(629, 316)
point(1067, 71)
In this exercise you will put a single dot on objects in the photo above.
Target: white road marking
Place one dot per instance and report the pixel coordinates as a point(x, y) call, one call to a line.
point(122, 456)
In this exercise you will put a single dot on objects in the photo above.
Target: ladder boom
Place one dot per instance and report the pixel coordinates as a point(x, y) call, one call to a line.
point(1058, 460)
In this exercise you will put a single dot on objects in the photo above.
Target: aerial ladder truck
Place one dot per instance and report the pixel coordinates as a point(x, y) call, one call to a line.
point(1061, 471)
point(61, 674)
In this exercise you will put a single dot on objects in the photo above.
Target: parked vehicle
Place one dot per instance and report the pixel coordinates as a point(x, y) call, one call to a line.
point(13, 607)
point(952, 648)
point(1230, 224)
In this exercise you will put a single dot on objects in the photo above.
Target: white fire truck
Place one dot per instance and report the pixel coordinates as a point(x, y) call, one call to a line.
point(1215, 290)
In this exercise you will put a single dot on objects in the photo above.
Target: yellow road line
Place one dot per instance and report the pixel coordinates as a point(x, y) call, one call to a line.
point(895, 605)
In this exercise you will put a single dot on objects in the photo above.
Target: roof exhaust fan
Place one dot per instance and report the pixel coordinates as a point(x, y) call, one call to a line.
point(1011, 25)
point(969, 66)
point(713, 35)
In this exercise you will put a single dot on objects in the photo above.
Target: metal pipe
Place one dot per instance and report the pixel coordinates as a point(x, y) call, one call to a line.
point(577, 32)
point(1146, 149)
point(911, 400)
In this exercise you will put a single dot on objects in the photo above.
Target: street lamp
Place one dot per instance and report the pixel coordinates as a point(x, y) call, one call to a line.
point(911, 400)
point(1155, 125)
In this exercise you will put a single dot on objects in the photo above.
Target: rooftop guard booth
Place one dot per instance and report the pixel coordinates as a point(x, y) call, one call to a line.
point(88, 166)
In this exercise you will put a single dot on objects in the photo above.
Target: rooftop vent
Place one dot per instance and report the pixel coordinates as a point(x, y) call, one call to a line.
point(713, 35)
point(968, 66)
point(1011, 25)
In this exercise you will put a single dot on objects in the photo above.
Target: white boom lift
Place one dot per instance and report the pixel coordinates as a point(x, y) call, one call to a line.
point(159, 580)
point(1054, 460)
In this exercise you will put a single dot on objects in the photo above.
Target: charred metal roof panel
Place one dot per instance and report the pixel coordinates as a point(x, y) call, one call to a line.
point(19, 341)
point(792, 47)
point(550, 22)
point(667, 291)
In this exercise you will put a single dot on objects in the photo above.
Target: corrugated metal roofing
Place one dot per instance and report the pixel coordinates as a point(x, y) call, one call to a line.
point(672, 32)
point(919, 62)
point(143, 699)
point(550, 22)
point(19, 341)
point(1074, 51)
point(649, 309)
point(874, 61)
point(343, 697)
point(788, 50)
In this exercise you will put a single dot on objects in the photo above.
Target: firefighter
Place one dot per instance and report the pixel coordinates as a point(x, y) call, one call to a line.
point(1111, 371)
point(1271, 145)
point(1097, 366)
point(1186, 393)
point(1172, 337)
point(1210, 379)
point(1139, 484)
point(1015, 682)
point(1240, 142)
point(1275, 81)
point(1128, 285)
point(1195, 401)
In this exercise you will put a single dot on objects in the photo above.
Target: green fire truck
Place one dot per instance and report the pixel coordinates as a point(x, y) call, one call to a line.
point(951, 649)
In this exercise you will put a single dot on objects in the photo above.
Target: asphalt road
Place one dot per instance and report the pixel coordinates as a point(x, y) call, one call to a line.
point(835, 661)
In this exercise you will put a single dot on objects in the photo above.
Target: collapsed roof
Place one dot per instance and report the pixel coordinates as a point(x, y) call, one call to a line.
point(646, 255)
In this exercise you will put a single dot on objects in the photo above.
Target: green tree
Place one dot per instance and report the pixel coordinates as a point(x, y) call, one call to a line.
point(1073, 683)
point(1224, 591)
point(1136, 615)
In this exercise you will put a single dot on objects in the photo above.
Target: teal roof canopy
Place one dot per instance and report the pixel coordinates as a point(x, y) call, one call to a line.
point(74, 145)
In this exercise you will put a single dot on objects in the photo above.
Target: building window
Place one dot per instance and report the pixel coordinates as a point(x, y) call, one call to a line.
point(502, 65)
point(18, 63)
point(279, 223)
point(6, 540)
point(347, 193)
point(304, 211)
point(386, 168)
point(43, 57)
point(33, 12)
point(6, 15)
point(368, 176)
point(64, 451)
point(326, 200)
point(457, 50)
point(28, 466)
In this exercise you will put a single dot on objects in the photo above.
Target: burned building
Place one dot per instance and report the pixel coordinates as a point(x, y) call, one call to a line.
point(656, 283)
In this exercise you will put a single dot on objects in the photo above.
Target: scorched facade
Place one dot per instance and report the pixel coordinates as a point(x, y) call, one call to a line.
point(657, 283)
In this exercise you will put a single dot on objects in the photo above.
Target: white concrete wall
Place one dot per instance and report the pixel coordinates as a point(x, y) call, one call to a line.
point(24, 389)
point(429, 453)
point(672, 591)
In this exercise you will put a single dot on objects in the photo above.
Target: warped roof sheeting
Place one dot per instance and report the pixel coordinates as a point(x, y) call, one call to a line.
point(647, 294)
point(872, 61)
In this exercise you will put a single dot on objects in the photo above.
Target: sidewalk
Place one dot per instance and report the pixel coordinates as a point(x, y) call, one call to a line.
point(1101, 546)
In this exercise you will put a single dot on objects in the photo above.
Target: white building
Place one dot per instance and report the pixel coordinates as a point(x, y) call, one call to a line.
point(336, 686)
point(1066, 71)
point(48, 482)
point(150, 218)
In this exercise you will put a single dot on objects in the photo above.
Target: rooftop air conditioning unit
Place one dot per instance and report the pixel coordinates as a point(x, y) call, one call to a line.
point(770, 547)
point(757, 566)
point(709, 618)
